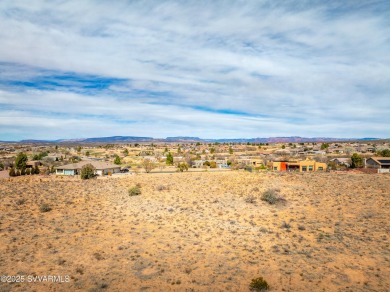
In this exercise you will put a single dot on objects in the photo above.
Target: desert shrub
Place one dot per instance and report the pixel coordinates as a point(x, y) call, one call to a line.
point(162, 188)
point(1, 166)
point(250, 199)
point(44, 208)
point(12, 172)
point(87, 171)
point(182, 166)
point(20, 201)
point(213, 164)
point(134, 191)
point(272, 197)
point(286, 225)
point(36, 170)
point(258, 284)
point(23, 171)
point(17, 172)
point(28, 171)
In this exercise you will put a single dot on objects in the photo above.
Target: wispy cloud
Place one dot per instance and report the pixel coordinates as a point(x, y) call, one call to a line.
point(212, 69)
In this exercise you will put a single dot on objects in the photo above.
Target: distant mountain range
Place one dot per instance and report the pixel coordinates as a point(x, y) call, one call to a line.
point(184, 139)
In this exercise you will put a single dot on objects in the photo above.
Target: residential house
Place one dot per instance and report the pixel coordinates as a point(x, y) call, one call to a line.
point(307, 165)
point(102, 168)
point(378, 162)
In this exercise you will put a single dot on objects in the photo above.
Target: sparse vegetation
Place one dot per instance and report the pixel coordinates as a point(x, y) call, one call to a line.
point(259, 284)
point(148, 165)
point(272, 197)
point(134, 191)
point(44, 208)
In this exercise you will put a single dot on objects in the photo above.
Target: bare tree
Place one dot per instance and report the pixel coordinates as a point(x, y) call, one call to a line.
point(148, 165)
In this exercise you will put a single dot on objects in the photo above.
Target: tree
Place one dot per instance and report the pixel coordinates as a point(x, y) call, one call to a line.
point(23, 171)
point(87, 153)
point(148, 165)
point(182, 166)
point(384, 153)
point(231, 150)
point(117, 160)
point(28, 171)
point(1, 166)
point(283, 147)
point(212, 150)
point(213, 164)
point(78, 149)
point(324, 146)
point(169, 160)
point(357, 161)
point(21, 160)
point(125, 152)
point(87, 171)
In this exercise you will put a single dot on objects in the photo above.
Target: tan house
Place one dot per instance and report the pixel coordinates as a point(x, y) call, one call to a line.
point(307, 165)
point(102, 168)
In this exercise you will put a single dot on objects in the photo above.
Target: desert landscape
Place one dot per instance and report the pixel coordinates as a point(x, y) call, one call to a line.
point(197, 231)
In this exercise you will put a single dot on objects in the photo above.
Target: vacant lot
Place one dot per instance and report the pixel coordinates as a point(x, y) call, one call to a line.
point(198, 232)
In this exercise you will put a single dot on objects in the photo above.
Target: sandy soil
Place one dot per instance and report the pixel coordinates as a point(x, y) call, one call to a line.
point(197, 232)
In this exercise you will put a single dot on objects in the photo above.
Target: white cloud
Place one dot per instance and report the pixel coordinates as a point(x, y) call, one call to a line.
point(295, 65)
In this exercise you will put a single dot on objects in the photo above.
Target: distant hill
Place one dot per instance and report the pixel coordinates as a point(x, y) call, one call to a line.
point(134, 139)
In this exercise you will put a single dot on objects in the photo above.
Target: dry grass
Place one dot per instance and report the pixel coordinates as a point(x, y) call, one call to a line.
point(198, 232)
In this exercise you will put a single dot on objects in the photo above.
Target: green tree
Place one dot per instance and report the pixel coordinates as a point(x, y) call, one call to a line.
point(125, 152)
point(169, 160)
point(230, 150)
point(212, 150)
point(357, 161)
point(1, 166)
point(21, 160)
point(78, 149)
point(117, 160)
point(283, 146)
point(384, 153)
point(324, 146)
point(87, 153)
point(87, 171)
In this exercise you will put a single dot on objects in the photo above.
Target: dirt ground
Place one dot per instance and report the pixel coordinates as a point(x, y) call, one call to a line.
point(197, 232)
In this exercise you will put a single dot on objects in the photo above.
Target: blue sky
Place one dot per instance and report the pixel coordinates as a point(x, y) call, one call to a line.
point(213, 69)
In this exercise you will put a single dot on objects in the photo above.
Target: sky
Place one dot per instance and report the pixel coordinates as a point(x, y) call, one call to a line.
point(210, 69)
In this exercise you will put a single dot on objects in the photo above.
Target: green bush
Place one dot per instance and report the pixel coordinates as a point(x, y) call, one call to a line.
point(134, 191)
point(21, 160)
point(87, 171)
point(28, 171)
point(259, 284)
point(44, 208)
